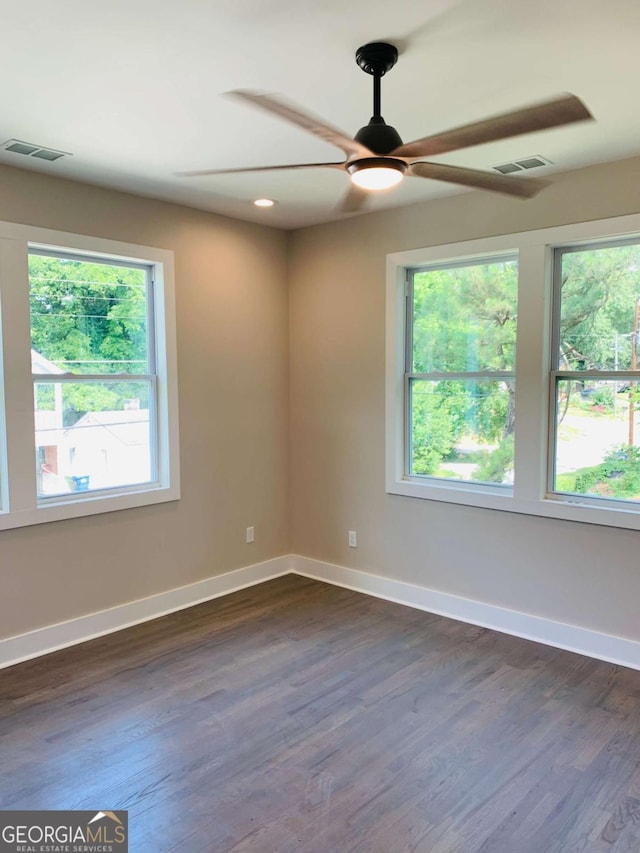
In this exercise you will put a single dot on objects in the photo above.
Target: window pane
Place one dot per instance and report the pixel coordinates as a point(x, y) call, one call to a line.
point(464, 318)
point(600, 289)
point(598, 439)
point(92, 436)
point(462, 430)
point(87, 317)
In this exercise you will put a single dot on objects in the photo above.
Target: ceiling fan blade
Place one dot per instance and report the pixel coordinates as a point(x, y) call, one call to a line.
point(554, 113)
point(259, 169)
point(354, 199)
point(308, 122)
point(475, 178)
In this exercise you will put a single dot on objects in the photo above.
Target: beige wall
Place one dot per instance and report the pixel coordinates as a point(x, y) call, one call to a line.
point(236, 322)
point(232, 327)
point(575, 573)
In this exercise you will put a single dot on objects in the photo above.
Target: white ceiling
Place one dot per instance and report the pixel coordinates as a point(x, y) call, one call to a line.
point(133, 89)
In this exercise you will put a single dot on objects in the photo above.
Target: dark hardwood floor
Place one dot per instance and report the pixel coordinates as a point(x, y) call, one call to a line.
point(296, 716)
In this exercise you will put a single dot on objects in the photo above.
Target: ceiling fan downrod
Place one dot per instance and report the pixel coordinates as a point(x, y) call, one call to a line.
point(377, 110)
point(376, 58)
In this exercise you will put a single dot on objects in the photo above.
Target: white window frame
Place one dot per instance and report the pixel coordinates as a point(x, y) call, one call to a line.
point(19, 504)
point(530, 493)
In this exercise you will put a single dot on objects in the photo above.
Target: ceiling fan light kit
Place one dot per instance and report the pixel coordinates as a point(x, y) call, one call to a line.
point(376, 158)
point(377, 173)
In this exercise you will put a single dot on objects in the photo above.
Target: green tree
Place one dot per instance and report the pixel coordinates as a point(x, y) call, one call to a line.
point(599, 292)
point(89, 318)
point(464, 320)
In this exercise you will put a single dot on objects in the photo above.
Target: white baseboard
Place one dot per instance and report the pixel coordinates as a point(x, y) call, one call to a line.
point(604, 647)
point(583, 641)
point(53, 637)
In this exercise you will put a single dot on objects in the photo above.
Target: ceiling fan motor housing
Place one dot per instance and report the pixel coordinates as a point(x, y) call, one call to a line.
point(378, 136)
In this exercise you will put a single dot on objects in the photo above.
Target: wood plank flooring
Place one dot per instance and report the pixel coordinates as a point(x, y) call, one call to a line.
point(296, 717)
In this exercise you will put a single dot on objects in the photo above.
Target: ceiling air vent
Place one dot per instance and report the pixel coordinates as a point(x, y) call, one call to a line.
point(17, 146)
point(532, 162)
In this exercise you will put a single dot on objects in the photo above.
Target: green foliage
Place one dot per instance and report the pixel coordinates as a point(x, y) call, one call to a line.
point(45, 400)
point(88, 318)
point(433, 427)
point(603, 397)
point(464, 320)
point(493, 465)
point(592, 400)
point(80, 399)
point(492, 402)
point(618, 475)
point(567, 482)
point(445, 412)
point(585, 479)
point(599, 292)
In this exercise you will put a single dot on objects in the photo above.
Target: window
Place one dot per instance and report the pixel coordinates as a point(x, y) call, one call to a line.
point(90, 398)
point(595, 430)
point(460, 371)
point(512, 373)
point(90, 329)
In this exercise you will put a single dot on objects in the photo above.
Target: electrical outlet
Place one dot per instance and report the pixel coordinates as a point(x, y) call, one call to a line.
point(251, 534)
point(353, 539)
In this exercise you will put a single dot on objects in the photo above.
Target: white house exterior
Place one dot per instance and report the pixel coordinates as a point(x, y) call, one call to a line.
point(109, 448)
point(100, 450)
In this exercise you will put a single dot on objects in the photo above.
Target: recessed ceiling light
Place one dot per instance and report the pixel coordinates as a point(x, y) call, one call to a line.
point(264, 202)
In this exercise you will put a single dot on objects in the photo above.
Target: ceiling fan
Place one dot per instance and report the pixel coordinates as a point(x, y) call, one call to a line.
point(378, 159)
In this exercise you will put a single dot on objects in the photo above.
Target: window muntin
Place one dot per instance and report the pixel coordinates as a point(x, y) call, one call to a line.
point(90, 326)
point(595, 429)
point(460, 371)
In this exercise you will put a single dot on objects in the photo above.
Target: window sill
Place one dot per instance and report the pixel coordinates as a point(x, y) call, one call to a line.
point(67, 508)
point(567, 509)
